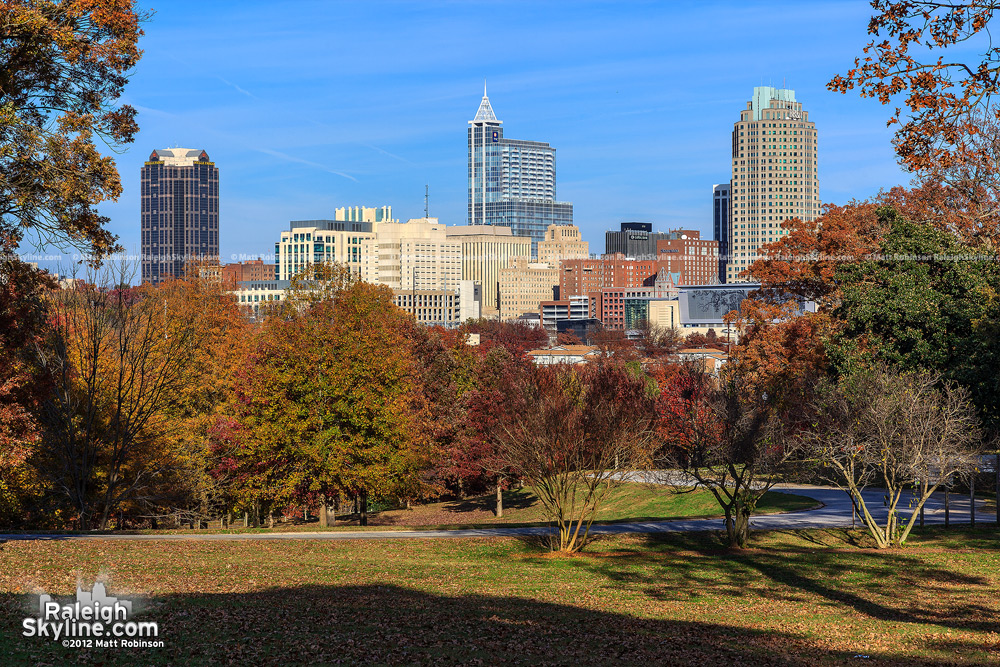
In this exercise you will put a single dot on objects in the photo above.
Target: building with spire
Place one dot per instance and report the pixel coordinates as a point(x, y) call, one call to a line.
point(775, 174)
point(512, 183)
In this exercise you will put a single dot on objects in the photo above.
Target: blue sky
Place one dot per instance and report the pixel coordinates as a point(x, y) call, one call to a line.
point(307, 106)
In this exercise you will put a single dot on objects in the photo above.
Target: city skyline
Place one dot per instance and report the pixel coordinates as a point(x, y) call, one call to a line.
point(642, 125)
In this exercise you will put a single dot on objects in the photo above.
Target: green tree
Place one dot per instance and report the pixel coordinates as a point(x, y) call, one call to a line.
point(926, 302)
point(331, 402)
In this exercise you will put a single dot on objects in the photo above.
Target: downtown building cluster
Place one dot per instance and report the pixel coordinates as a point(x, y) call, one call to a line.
point(519, 257)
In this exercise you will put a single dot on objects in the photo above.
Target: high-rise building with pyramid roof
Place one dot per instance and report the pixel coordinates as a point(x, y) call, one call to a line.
point(512, 183)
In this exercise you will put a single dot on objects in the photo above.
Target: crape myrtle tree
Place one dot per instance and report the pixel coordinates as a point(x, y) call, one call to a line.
point(565, 431)
point(898, 432)
point(724, 435)
point(473, 463)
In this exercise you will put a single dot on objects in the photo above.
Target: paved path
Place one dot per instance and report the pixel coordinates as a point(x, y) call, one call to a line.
point(834, 512)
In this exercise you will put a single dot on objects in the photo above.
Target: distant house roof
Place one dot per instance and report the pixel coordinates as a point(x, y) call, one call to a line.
point(564, 354)
point(702, 351)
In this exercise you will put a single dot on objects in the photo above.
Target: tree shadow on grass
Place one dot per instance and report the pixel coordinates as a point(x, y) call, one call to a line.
point(394, 625)
point(517, 499)
point(896, 586)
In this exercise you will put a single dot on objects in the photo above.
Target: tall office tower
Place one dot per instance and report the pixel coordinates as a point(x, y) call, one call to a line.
point(720, 224)
point(512, 183)
point(180, 212)
point(775, 174)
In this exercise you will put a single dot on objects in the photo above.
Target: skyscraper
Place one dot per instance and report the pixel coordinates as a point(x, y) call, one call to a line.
point(512, 183)
point(720, 224)
point(775, 174)
point(180, 212)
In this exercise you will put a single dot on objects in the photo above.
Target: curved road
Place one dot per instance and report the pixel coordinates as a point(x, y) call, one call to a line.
point(834, 512)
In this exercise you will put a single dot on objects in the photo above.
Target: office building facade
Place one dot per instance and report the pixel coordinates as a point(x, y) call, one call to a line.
point(485, 251)
point(562, 242)
point(250, 270)
point(417, 254)
point(688, 259)
point(774, 174)
point(512, 183)
point(524, 285)
point(636, 240)
point(180, 212)
point(582, 276)
point(309, 242)
point(721, 210)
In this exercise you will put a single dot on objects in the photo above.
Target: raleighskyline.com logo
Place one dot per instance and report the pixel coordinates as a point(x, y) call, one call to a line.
point(95, 620)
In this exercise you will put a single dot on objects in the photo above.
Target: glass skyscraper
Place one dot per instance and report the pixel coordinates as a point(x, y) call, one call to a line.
point(512, 183)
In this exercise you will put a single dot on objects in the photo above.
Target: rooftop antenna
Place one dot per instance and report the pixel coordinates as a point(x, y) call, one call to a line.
point(484, 86)
point(426, 190)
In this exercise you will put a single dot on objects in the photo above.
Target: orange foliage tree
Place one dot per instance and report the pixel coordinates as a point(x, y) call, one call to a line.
point(940, 92)
point(329, 402)
point(63, 67)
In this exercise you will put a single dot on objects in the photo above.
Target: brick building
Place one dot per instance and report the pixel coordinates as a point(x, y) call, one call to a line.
point(253, 269)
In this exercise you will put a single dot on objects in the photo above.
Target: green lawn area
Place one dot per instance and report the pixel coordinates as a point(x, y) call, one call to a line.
point(627, 501)
point(799, 598)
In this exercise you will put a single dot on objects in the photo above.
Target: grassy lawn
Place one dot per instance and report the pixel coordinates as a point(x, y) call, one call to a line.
point(802, 598)
point(627, 501)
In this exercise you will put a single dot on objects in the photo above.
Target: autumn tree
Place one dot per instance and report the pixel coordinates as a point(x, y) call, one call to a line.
point(477, 462)
point(568, 338)
point(23, 381)
point(939, 92)
point(329, 402)
point(566, 430)
point(117, 360)
point(657, 342)
point(896, 431)
point(727, 435)
point(517, 337)
point(199, 409)
point(63, 68)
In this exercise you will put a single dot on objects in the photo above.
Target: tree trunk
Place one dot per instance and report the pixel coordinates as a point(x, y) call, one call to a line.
point(270, 519)
point(499, 500)
point(323, 521)
point(923, 490)
point(972, 501)
point(741, 524)
point(363, 502)
point(947, 508)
